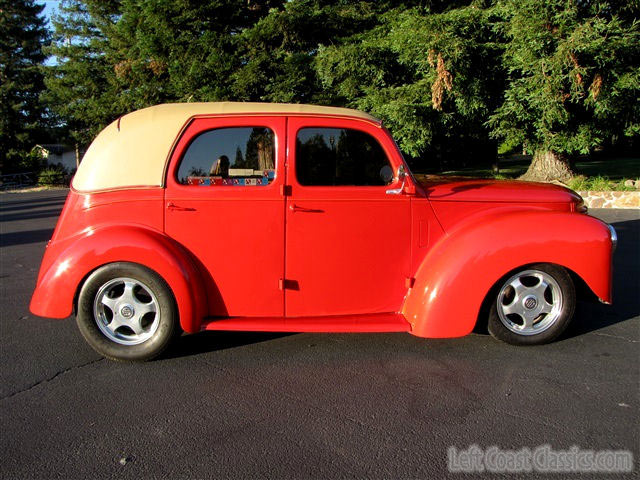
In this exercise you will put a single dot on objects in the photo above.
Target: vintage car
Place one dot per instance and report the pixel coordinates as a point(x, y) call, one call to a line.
point(274, 217)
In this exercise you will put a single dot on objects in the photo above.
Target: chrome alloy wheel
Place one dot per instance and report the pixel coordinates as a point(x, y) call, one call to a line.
point(529, 302)
point(126, 311)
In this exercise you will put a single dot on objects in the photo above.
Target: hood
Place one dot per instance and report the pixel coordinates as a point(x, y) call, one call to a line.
point(441, 189)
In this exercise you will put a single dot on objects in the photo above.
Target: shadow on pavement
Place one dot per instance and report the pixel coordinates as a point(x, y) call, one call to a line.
point(204, 342)
point(29, 236)
point(22, 205)
point(29, 214)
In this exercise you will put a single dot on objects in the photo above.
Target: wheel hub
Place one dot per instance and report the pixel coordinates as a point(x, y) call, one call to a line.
point(127, 311)
point(530, 302)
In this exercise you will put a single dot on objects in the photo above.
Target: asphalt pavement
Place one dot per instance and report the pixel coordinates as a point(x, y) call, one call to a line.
point(247, 405)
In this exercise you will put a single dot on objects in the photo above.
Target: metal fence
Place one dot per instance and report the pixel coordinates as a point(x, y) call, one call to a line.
point(30, 179)
point(16, 180)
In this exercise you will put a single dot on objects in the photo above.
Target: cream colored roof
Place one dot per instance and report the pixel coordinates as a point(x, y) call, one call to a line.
point(134, 150)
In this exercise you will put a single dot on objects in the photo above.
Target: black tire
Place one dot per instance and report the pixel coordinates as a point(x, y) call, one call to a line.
point(532, 306)
point(140, 336)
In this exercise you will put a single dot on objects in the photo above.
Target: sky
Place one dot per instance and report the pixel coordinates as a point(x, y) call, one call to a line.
point(49, 7)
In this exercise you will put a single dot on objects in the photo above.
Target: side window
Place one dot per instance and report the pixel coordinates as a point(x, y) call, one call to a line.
point(230, 156)
point(339, 156)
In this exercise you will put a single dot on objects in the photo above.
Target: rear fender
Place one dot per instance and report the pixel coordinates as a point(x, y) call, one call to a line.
point(67, 263)
point(460, 270)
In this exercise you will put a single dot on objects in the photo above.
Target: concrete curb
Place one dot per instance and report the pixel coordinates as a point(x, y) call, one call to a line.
point(611, 199)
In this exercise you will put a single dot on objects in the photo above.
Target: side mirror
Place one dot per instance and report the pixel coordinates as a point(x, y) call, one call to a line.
point(386, 174)
point(402, 175)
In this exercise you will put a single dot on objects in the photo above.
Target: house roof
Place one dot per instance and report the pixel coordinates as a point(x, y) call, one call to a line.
point(134, 150)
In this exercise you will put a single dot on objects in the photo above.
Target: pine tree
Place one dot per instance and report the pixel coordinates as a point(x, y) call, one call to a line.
point(116, 56)
point(431, 73)
point(22, 34)
point(81, 91)
point(277, 54)
point(239, 161)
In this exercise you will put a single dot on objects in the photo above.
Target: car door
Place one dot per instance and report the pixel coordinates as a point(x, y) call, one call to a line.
point(347, 233)
point(224, 204)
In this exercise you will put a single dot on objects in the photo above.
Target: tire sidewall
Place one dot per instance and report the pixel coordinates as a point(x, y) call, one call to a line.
point(498, 330)
point(93, 335)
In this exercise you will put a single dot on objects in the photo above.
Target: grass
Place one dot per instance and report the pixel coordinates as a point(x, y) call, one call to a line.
point(599, 184)
point(601, 174)
point(614, 168)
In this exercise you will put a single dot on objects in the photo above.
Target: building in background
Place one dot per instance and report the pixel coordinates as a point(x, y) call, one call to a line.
point(56, 153)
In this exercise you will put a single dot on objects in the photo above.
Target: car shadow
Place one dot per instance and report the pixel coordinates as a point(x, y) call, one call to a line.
point(212, 341)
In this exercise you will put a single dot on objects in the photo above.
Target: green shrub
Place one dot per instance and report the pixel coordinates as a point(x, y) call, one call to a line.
point(53, 175)
point(509, 146)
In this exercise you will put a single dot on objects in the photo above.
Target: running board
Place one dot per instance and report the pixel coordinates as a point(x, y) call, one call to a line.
point(377, 322)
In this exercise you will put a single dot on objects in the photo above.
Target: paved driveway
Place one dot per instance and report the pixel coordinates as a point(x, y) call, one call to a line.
point(246, 405)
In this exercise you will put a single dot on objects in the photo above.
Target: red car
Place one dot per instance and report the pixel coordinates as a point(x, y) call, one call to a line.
point(267, 217)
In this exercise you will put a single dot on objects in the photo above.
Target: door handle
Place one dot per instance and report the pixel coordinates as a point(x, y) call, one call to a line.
point(295, 208)
point(175, 208)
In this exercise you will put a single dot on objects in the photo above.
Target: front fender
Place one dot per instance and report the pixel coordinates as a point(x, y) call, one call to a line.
point(67, 263)
point(460, 270)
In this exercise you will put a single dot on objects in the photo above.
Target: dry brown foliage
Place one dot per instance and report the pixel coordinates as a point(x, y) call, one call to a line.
point(444, 81)
point(123, 68)
point(158, 67)
point(596, 86)
point(576, 65)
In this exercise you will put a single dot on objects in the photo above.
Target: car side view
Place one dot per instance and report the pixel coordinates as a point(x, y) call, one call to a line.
point(277, 217)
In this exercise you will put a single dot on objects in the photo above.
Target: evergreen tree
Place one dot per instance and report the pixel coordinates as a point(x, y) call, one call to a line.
point(239, 161)
point(116, 56)
point(81, 89)
point(574, 79)
point(559, 77)
point(431, 73)
point(22, 34)
point(278, 51)
point(180, 50)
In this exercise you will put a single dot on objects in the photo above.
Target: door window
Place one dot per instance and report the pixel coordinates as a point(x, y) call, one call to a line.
point(340, 156)
point(239, 156)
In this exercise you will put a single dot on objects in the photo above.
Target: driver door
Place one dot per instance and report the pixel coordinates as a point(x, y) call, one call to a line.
point(347, 238)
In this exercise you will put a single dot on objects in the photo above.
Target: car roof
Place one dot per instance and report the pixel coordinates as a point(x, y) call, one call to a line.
point(133, 151)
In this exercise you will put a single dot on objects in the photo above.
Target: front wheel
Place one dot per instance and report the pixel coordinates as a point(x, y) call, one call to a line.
point(532, 306)
point(126, 312)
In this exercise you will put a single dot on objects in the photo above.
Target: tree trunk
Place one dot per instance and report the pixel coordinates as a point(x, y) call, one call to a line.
point(548, 166)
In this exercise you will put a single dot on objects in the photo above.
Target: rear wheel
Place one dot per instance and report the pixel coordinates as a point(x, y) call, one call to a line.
point(127, 312)
point(532, 306)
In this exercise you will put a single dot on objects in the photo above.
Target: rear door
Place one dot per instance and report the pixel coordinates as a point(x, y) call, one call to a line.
point(224, 204)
